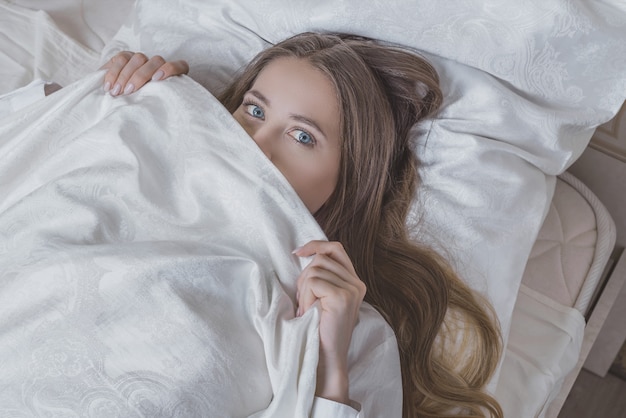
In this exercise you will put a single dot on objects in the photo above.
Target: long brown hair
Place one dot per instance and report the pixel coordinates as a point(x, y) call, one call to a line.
point(447, 335)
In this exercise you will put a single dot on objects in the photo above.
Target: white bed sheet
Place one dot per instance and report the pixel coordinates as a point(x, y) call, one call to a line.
point(488, 177)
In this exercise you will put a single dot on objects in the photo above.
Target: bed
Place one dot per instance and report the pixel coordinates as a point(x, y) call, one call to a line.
point(525, 86)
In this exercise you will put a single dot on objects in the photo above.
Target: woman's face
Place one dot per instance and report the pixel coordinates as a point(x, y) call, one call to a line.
point(292, 113)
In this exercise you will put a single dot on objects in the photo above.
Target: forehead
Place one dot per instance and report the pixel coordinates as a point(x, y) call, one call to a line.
point(294, 72)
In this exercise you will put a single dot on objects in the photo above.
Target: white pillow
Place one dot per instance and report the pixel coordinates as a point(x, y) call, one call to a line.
point(525, 83)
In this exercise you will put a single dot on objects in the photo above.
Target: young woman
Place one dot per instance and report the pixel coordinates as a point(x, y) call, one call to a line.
point(333, 113)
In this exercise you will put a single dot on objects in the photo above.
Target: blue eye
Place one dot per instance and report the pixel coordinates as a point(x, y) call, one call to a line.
point(255, 111)
point(302, 137)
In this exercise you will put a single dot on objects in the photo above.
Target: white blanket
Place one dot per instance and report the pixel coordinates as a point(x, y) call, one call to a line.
point(146, 266)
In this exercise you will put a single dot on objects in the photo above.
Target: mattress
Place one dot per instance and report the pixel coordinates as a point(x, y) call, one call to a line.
point(572, 248)
point(563, 272)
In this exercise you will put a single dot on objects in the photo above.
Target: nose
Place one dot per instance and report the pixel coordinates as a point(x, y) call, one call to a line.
point(265, 138)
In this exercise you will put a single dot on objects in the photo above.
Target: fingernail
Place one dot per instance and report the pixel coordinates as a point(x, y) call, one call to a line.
point(158, 75)
point(129, 88)
point(298, 312)
point(116, 89)
point(296, 250)
point(107, 86)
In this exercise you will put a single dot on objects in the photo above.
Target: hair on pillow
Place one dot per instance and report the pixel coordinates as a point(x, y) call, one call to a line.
point(525, 85)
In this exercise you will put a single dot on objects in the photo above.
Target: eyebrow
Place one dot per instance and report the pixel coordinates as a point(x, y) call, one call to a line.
point(305, 120)
point(295, 116)
point(260, 96)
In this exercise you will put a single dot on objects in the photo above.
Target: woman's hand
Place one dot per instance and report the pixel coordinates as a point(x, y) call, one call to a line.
point(128, 72)
point(331, 279)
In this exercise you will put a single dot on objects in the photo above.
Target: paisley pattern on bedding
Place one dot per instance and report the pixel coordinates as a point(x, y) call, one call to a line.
point(488, 160)
point(145, 245)
point(525, 84)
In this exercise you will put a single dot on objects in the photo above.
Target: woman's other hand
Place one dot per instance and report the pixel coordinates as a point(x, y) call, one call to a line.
point(127, 71)
point(331, 279)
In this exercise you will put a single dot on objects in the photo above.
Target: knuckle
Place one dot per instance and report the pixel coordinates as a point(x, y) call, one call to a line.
point(142, 74)
point(313, 272)
point(176, 67)
point(168, 67)
point(362, 289)
point(138, 58)
point(158, 60)
point(315, 262)
point(321, 258)
point(119, 59)
point(313, 267)
point(314, 281)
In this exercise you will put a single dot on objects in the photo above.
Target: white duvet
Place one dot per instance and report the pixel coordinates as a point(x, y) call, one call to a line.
point(146, 266)
point(525, 84)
